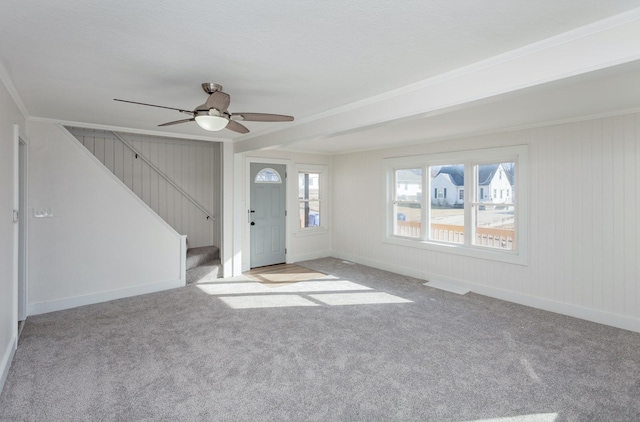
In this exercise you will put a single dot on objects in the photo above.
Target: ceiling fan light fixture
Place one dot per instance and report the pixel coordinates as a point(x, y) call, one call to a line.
point(214, 114)
point(211, 123)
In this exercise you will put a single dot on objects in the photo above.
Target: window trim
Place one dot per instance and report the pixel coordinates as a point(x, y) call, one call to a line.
point(470, 158)
point(265, 170)
point(322, 199)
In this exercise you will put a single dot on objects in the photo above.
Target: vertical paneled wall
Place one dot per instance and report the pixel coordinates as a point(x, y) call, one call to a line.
point(583, 218)
point(194, 166)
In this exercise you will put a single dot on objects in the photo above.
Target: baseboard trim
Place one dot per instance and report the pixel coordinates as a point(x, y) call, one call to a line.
point(74, 302)
point(398, 269)
point(5, 364)
point(308, 256)
point(593, 315)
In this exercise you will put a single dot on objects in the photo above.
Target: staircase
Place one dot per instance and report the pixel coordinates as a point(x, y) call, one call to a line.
point(203, 264)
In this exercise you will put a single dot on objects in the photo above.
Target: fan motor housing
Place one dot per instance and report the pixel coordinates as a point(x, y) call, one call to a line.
point(210, 87)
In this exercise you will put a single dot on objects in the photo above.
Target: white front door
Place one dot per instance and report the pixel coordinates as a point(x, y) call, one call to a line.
point(267, 214)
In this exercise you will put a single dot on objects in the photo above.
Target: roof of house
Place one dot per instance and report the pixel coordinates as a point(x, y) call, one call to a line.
point(409, 176)
point(455, 172)
point(485, 173)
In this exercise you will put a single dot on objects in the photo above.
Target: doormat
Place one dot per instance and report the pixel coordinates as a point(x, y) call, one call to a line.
point(278, 275)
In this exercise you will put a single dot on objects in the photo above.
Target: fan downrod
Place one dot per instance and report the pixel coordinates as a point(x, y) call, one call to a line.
point(210, 87)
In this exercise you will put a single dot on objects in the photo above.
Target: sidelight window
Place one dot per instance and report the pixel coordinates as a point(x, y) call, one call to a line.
point(309, 199)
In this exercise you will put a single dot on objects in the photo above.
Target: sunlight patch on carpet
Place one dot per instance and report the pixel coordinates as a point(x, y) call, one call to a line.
point(266, 301)
point(281, 286)
point(303, 286)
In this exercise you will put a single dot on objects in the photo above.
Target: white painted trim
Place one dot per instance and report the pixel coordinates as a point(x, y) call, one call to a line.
point(5, 363)
point(447, 287)
point(73, 302)
point(13, 92)
point(183, 260)
point(600, 317)
point(25, 246)
point(593, 315)
point(227, 219)
point(129, 130)
point(397, 269)
point(16, 232)
point(311, 232)
point(309, 256)
point(236, 213)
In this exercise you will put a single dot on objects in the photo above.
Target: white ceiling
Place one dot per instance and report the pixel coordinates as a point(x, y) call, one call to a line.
point(68, 60)
point(588, 95)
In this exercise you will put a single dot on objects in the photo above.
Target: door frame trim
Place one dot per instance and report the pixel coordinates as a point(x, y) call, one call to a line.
point(20, 250)
point(246, 235)
point(23, 229)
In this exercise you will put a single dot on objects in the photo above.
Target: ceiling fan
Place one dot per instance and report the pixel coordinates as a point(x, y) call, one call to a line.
point(213, 114)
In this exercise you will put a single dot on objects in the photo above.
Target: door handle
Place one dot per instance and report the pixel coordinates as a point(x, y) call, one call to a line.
point(253, 223)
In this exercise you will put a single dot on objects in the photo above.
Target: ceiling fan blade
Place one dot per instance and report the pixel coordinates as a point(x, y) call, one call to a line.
point(178, 122)
point(153, 105)
point(237, 127)
point(262, 117)
point(218, 100)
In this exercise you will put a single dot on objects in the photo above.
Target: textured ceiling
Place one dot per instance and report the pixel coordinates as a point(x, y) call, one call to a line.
point(68, 59)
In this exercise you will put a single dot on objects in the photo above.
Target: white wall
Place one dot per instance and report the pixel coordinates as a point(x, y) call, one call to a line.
point(9, 115)
point(584, 207)
point(194, 166)
point(300, 246)
point(102, 242)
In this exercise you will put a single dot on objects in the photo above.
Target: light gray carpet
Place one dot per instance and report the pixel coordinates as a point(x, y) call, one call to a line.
point(185, 355)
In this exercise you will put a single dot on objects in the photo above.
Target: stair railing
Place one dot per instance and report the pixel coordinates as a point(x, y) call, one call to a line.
point(164, 176)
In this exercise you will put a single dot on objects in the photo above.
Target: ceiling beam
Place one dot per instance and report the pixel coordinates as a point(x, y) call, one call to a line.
point(603, 44)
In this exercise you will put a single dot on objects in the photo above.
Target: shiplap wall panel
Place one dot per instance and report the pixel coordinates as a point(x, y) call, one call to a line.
point(631, 214)
point(606, 178)
point(584, 190)
point(192, 165)
point(636, 274)
point(617, 202)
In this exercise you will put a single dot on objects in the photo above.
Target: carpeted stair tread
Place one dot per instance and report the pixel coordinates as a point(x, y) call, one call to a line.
point(207, 271)
point(201, 255)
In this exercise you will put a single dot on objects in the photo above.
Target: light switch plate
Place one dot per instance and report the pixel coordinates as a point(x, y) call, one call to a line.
point(42, 212)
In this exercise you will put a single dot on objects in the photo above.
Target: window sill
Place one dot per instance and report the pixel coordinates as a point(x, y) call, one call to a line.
point(470, 251)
